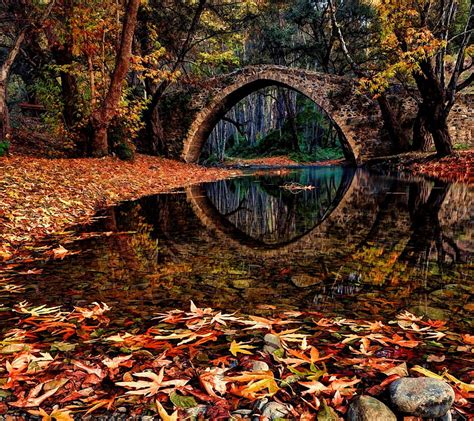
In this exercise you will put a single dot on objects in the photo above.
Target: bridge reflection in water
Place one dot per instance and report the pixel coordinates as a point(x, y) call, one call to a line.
point(265, 215)
point(359, 244)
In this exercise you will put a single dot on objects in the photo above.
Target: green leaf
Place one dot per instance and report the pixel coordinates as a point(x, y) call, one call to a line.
point(183, 401)
point(12, 348)
point(63, 346)
point(326, 413)
point(279, 352)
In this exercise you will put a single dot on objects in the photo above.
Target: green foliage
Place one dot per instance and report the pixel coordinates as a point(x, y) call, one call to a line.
point(4, 147)
point(47, 90)
point(309, 120)
point(125, 151)
point(322, 154)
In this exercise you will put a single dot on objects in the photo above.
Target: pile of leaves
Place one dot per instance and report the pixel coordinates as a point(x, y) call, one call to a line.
point(203, 363)
point(41, 196)
point(458, 168)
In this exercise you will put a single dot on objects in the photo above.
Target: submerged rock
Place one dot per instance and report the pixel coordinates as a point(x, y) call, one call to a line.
point(367, 408)
point(433, 313)
point(303, 280)
point(421, 396)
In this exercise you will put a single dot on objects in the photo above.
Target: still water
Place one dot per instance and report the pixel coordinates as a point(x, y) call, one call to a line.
point(356, 244)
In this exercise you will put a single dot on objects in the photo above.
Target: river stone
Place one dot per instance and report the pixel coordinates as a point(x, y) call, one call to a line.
point(367, 408)
point(304, 280)
point(241, 283)
point(260, 366)
point(421, 396)
point(432, 313)
point(272, 343)
point(275, 410)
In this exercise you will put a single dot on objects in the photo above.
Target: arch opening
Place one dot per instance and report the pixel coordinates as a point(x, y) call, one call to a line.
point(292, 99)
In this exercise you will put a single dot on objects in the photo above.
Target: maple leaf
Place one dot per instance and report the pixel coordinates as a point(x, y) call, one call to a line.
point(187, 336)
point(258, 381)
point(344, 385)
point(152, 387)
point(468, 339)
point(33, 399)
point(97, 371)
point(29, 361)
point(299, 357)
point(97, 310)
point(38, 311)
point(213, 381)
point(60, 252)
point(223, 318)
point(236, 347)
point(290, 336)
point(314, 387)
point(55, 415)
point(257, 322)
point(115, 362)
point(398, 340)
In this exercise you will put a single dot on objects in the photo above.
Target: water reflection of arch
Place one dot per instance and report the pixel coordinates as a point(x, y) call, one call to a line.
point(212, 219)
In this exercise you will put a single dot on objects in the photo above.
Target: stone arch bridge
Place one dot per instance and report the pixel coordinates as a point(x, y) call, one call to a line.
point(189, 113)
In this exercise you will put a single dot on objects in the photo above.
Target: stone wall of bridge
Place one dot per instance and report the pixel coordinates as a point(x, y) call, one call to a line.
point(190, 112)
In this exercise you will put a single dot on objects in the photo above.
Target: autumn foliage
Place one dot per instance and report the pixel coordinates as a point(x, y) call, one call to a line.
point(61, 363)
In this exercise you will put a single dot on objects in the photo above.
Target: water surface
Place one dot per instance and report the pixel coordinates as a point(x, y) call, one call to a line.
point(357, 244)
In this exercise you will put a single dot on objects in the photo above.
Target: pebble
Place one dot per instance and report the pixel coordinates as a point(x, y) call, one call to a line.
point(274, 410)
point(260, 366)
point(367, 408)
point(272, 343)
point(421, 396)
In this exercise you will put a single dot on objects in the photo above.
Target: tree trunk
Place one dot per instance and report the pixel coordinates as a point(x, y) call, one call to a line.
point(152, 137)
point(442, 138)
point(101, 118)
point(395, 131)
point(421, 137)
point(434, 108)
point(4, 74)
point(291, 117)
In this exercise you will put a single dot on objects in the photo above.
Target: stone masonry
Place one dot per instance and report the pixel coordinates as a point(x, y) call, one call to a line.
point(190, 112)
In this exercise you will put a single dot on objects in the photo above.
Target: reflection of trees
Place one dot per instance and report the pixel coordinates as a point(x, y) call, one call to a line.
point(267, 213)
point(426, 230)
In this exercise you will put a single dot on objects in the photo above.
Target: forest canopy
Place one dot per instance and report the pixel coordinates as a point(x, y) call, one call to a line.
point(96, 71)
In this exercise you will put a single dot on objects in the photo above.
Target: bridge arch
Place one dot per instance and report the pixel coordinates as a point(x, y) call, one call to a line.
point(189, 111)
point(228, 97)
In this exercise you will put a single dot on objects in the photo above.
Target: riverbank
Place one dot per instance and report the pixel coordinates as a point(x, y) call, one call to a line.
point(457, 168)
point(272, 162)
point(40, 196)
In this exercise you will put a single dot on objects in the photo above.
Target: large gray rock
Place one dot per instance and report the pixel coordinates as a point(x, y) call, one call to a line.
point(367, 408)
point(422, 396)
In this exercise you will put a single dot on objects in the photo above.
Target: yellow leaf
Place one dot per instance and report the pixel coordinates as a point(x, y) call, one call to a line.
point(164, 415)
point(464, 386)
point(236, 347)
point(426, 372)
